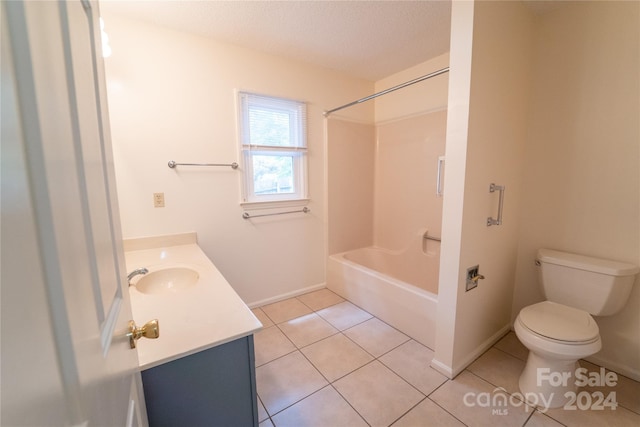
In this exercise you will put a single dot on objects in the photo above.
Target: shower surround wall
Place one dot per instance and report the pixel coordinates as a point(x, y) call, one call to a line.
point(406, 204)
point(350, 162)
point(381, 178)
point(381, 192)
point(381, 182)
point(398, 283)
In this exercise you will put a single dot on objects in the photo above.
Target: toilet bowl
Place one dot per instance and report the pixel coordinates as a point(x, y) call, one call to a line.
point(557, 336)
point(560, 331)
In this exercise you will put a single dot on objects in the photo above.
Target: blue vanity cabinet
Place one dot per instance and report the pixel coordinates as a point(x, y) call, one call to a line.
point(214, 387)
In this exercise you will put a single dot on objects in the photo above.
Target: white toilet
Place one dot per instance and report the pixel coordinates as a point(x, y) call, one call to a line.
point(560, 331)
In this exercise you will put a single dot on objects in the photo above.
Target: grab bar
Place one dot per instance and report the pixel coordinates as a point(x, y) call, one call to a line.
point(173, 164)
point(439, 177)
point(497, 221)
point(247, 215)
point(427, 237)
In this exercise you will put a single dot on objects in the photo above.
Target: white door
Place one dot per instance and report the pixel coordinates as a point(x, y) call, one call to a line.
point(66, 359)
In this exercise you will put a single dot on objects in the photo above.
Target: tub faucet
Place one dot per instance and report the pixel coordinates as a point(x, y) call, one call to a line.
point(135, 273)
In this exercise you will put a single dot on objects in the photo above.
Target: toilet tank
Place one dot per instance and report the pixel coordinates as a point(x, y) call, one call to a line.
point(598, 286)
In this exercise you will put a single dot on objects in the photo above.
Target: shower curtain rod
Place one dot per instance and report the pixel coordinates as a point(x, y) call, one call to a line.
point(384, 92)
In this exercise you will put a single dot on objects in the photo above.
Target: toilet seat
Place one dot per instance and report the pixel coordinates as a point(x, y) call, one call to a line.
point(559, 323)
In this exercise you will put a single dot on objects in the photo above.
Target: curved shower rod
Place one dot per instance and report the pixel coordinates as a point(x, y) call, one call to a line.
point(391, 89)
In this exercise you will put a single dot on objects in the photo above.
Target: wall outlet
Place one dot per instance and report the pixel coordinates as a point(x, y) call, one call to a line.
point(158, 200)
point(472, 277)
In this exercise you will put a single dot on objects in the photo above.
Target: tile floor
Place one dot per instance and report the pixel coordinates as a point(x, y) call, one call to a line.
point(322, 361)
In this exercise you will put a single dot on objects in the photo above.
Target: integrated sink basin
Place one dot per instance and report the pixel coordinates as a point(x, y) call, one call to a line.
point(167, 279)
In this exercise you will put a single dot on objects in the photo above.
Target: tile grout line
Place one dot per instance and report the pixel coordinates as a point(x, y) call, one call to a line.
point(349, 403)
point(342, 332)
point(298, 349)
point(441, 407)
point(528, 407)
point(331, 383)
point(409, 410)
point(503, 351)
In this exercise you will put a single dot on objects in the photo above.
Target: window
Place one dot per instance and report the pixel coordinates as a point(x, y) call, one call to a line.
point(274, 147)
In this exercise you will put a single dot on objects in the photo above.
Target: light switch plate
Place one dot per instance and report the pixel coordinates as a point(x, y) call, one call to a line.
point(158, 200)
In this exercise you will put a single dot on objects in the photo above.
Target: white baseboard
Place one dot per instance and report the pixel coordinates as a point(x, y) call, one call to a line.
point(287, 295)
point(627, 371)
point(453, 371)
point(442, 368)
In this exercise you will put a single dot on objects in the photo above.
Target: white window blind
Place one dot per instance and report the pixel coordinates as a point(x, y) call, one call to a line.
point(274, 147)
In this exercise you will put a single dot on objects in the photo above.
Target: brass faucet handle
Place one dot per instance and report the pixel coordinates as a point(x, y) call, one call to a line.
point(150, 330)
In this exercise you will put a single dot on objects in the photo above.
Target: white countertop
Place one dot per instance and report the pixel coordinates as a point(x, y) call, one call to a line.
point(205, 315)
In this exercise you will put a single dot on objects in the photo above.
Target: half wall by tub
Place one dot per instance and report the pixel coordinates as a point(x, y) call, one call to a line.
point(399, 287)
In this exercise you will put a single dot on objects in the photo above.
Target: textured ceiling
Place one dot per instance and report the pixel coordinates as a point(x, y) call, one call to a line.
point(368, 39)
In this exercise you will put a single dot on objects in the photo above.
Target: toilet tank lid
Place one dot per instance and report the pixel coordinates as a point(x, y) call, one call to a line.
point(581, 262)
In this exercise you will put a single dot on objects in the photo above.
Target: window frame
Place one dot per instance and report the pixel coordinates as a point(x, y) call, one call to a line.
point(297, 111)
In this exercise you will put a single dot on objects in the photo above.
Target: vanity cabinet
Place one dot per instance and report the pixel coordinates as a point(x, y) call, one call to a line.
point(214, 387)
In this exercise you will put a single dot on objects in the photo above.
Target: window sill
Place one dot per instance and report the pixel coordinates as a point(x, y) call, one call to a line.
point(274, 204)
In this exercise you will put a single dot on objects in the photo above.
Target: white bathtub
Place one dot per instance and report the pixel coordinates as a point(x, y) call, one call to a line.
point(399, 288)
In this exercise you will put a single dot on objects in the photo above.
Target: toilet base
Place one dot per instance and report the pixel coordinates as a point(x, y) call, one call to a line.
point(545, 381)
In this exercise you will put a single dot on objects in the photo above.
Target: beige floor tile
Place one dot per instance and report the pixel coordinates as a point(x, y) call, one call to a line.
point(263, 318)
point(499, 369)
point(376, 337)
point(379, 395)
point(475, 402)
point(285, 310)
point(307, 329)
point(627, 390)
point(512, 345)
point(270, 343)
point(262, 413)
point(320, 299)
point(428, 413)
point(344, 315)
point(285, 381)
point(628, 393)
point(540, 420)
point(411, 361)
point(620, 417)
point(336, 356)
point(322, 409)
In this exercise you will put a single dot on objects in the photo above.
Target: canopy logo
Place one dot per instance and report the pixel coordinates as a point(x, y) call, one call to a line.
point(499, 401)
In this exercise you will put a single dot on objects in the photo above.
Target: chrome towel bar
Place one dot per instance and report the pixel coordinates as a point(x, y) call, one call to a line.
point(492, 189)
point(173, 164)
point(247, 215)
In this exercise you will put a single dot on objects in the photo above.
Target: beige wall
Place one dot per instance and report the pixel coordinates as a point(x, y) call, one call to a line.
point(553, 107)
point(426, 96)
point(486, 134)
point(568, 156)
point(172, 97)
point(582, 180)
